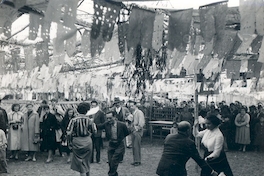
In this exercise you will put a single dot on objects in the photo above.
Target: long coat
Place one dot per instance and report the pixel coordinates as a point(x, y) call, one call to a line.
point(30, 128)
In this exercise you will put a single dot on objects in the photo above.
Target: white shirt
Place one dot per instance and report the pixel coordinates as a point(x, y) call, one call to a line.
point(118, 109)
point(213, 140)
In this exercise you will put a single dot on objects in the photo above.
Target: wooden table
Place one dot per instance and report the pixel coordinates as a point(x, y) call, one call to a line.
point(167, 124)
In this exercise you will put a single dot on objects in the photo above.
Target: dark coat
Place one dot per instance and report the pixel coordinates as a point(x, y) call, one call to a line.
point(3, 120)
point(49, 125)
point(122, 130)
point(178, 149)
point(99, 118)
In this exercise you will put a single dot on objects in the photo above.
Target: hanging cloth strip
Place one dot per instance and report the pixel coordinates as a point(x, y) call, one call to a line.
point(15, 59)
point(179, 29)
point(237, 43)
point(30, 61)
point(259, 4)
point(34, 22)
point(112, 12)
point(140, 31)
point(256, 44)
point(70, 45)
point(198, 43)
point(233, 68)
point(2, 62)
point(45, 29)
point(247, 39)
point(97, 45)
point(157, 31)
point(122, 36)
point(207, 23)
point(7, 14)
point(97, 18)
point(111, 48)
point(42, 53)
point(248, 16)
point(204, 61)
point(85, 45)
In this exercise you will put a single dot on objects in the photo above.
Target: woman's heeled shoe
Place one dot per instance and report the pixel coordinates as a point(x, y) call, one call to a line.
point(49, 160)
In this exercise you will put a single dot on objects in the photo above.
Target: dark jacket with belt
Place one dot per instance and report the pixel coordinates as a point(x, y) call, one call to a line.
point(178, 149)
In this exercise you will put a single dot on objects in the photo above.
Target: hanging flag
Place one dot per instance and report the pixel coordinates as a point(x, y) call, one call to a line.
point(233, 67)
point(70, 45)
point(179, 29)
point(85, 45)
point(42, 54)
point(69, 15)
point(2, 62)
point(45, 29)
point(122, 36)
point(97, 45)
point(15, 59)
point(7, 28)
point(97, 18)
point(204, 61)
point(157, 31)
point(110, 16)
point(248, 16)
point(259, 4)
point(6, 16)
point(140, 30)
point(111, 46)
point(30, 61)
point(34, 22)
point(236, 45)
point(53, 12)
point(207, 23)
point(256, 44)
point(247, 39)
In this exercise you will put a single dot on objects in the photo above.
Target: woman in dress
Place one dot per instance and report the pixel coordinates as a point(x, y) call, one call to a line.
point(212, 143)
point(15, 120)
point(79, 132)
point(242, 129)
point(30, 133)
point(49, 125)
point(64, 124)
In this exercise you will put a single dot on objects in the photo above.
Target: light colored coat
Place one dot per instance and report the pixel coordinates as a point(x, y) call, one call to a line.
point(30, 128)
point(14, 118)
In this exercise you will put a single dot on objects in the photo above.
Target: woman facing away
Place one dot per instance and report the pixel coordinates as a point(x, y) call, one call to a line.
point(15, 120)
point(212, 143)
point(242, 129)
point(79, 135)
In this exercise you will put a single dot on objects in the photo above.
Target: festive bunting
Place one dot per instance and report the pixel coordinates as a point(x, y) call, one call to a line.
point(30, 61)
point(42, 54)
point(70, 45)
point(34, 22)
point(97, 19)
point(7, 28)
point(97, 45)
point(259, 4)
point(45, 29)
point(110, 54)
point(248, 17)
point(197, 45)
point(256, 44)
point(6, 16)
point(179, 29)
point(140, 31)
point(15, 59)
point(157, 32)
point(122, 36)
point(247, 39)
point(207, 23)
point(204, 61)
point(85, 45)
point(236, 45)
point(261, 53)
point(233, 68)
point(2, 62)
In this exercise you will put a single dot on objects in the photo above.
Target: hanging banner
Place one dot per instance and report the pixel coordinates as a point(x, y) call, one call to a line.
point(30, 61)
point(15, 59)
point(248, 16)
point(34, 22)
point(2, 62)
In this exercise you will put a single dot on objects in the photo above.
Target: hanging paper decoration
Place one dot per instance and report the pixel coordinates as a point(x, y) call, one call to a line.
point(256, 44)
point(140, 31)
point(208, 48)
point(207, 23)
point(110, 17)
point(204, 61)
point(70, 45)
point(110, 54)
point(45, 29)
point(157, 32)
point(34, 22)
point(7, 13)
point(259, 4)
point(254, 68)
point(42, 54)
point(2, 62)
point(122, 36)
point(15, 59)
point(97, 19)
point(62, 11)
point(237, 43)
point(248, 17)
point(97, 45)
point(85, 45)
point(247, 39)
point(30, 61)
point(7, 29)
point(179, 29)
point(233, 67)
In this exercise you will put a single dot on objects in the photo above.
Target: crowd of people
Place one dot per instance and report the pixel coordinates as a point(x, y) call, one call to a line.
point(78, 132)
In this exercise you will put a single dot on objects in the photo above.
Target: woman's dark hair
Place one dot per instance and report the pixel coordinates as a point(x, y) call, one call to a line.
point(83, 108)
point(45, 106)
point(214, 120)
point(44, 102)
point(94, 101)
point(29, 104)
point(244, 107)
point(66, 113)
point(13, 106)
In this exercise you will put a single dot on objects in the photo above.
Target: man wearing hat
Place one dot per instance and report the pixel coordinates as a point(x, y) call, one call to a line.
point(121, 112)
point(178, 149)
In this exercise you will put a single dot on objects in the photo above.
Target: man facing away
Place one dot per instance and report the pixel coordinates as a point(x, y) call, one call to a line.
point(137, 131)
point(3, 119)
point(178, 149)
point(116, 132)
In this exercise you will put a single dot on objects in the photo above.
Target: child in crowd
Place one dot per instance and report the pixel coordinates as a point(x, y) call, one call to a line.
point(259, 130)
point(3, 146)
point(174, 128)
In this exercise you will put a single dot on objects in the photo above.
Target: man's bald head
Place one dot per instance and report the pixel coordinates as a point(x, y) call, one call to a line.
point(184, 126)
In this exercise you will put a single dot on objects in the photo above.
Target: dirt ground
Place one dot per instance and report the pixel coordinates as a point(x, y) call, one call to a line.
point(242, 164)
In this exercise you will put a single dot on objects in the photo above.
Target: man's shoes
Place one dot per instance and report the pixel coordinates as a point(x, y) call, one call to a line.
point(136, 163)
point(28, 159)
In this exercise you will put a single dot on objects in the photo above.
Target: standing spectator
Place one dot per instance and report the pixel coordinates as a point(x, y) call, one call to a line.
point(137, 132)
point(30, 133)
point(174, 128)
point(40, 110)
point(49, 125)
point(242, 129)
point(79, 134)
point(115, 131)
point(3, 145)
point(253, 121)
point(225, 125)
point(69, 114)
point(259, 135)
point(186, 115)
point(98, 118)
point(15, 120)
point(3, 119)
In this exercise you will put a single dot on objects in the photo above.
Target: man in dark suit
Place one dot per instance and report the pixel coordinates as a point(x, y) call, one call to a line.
point(115, 131)
point(178, 149)
point(99, 118)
